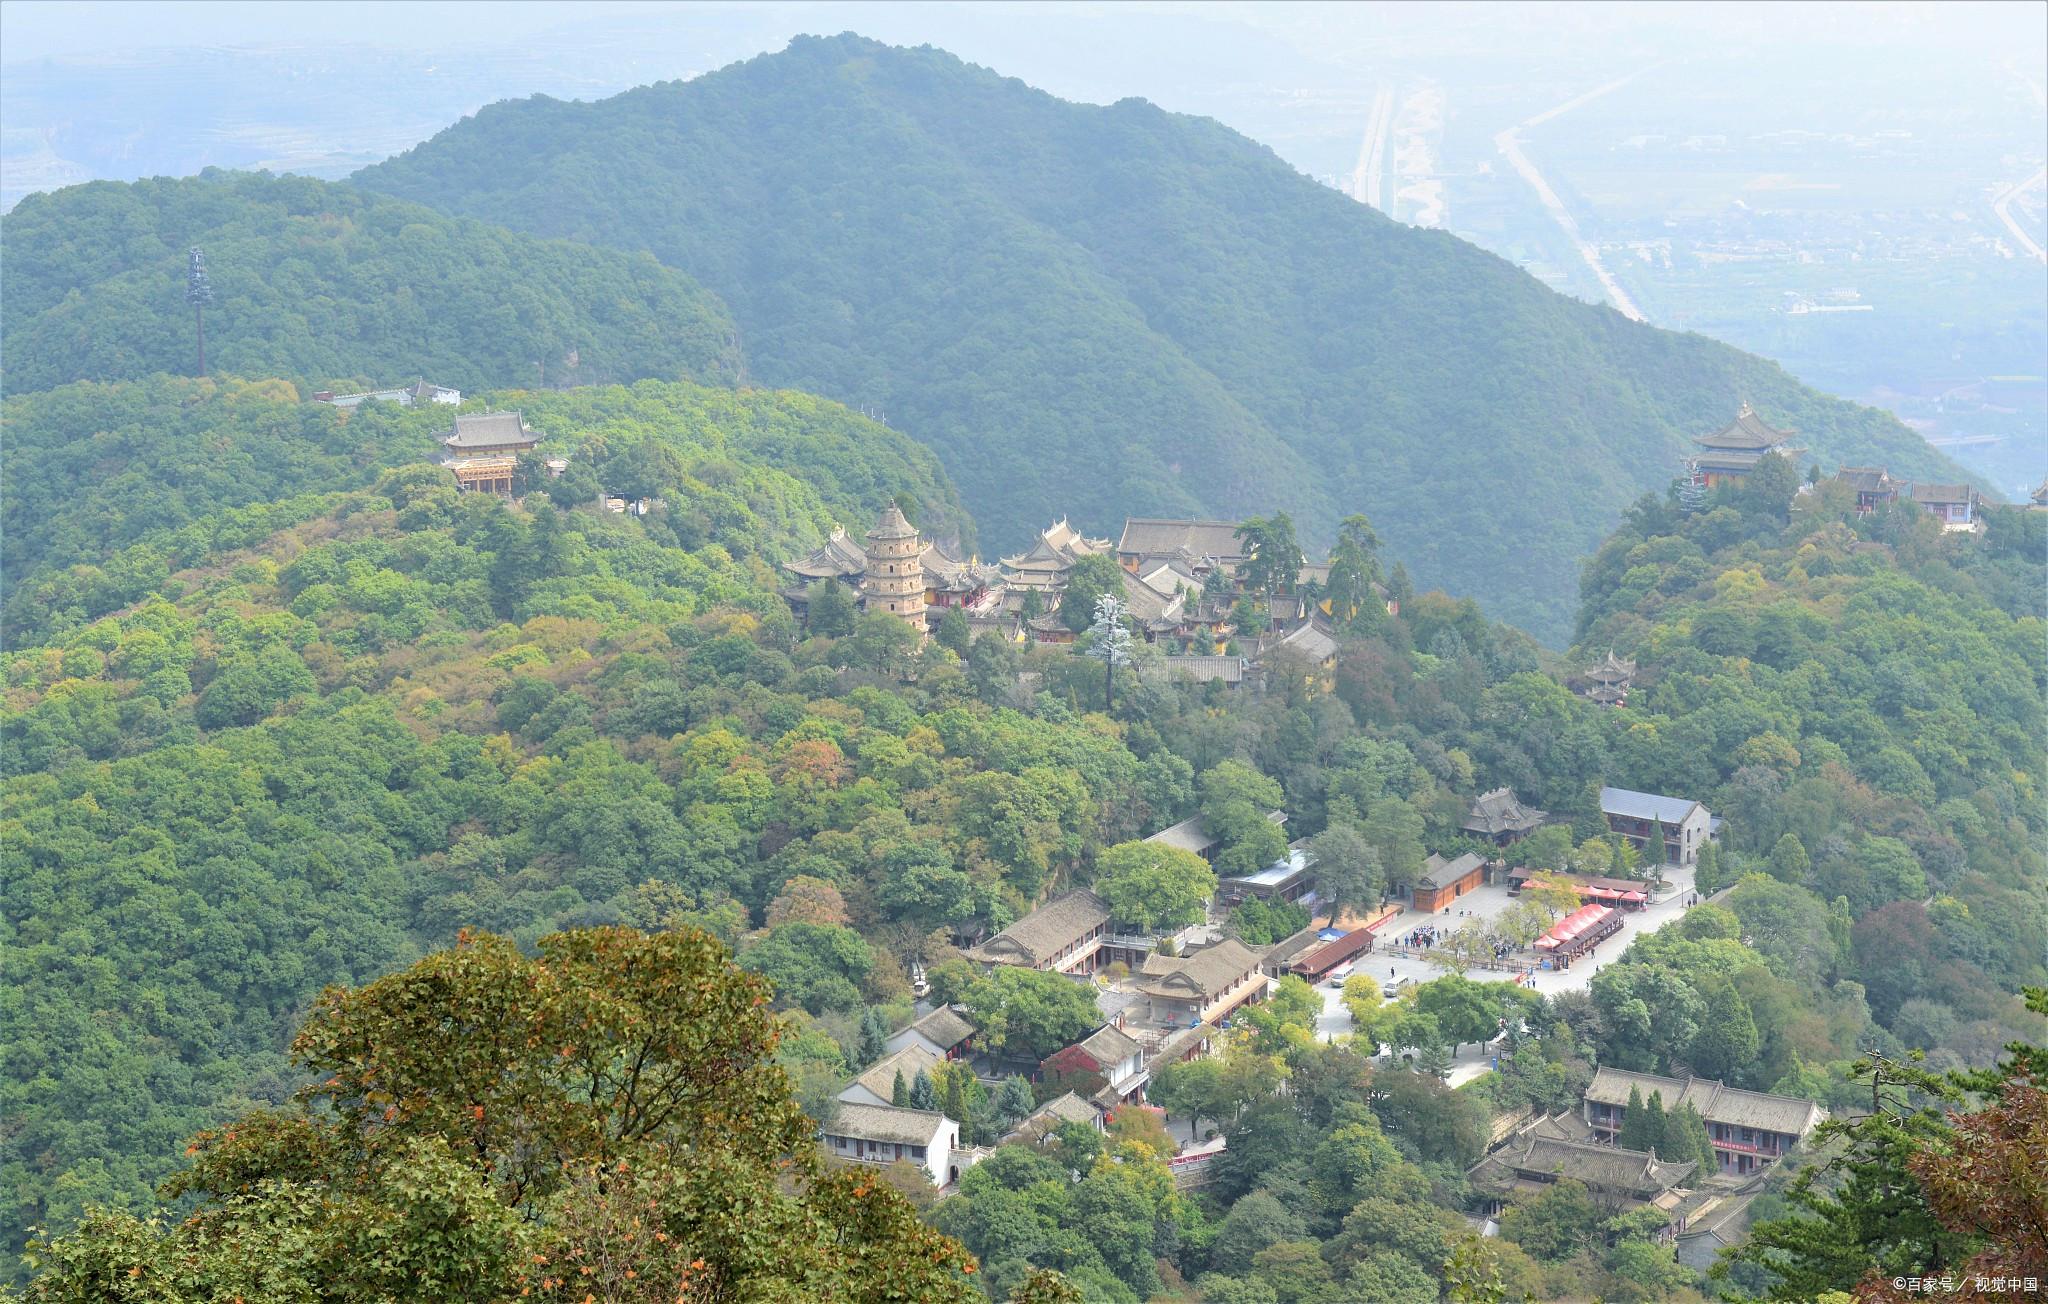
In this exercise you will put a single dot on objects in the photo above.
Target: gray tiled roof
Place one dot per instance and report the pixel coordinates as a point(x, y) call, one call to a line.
point(1715, 1101)
point(1500, 811)
point(1209, 972)
point(488, 430)
point(1107, 1046)
point(886, 1123)
point(1438, 872)
point(1635, 1173)
point(1746, 431)
point(1202, 669)
point(1645, 805)
point(944, 1026)
point(1047, 930)
point(880, 1077)
point(1943, 493)
point(1154, 536)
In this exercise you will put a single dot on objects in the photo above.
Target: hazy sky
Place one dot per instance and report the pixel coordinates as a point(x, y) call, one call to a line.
point(34, 29)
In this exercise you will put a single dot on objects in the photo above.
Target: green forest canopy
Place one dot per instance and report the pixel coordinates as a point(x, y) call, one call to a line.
point(110, 487)
point(312, 755)
point(328, 285)
point(1099, 311)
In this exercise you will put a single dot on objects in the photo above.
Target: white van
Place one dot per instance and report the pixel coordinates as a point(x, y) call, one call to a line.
point(1393, 987)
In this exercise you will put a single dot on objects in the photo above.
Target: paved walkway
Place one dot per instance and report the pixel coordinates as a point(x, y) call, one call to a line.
point(1483, 904)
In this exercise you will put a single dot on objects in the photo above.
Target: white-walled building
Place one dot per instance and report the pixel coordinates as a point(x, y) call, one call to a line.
point(883, 1134)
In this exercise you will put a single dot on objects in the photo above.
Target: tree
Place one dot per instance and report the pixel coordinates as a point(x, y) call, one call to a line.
point(874, 1038)
point(1789, 863)
point(1686, 1138)
point(1726, 1045)
point(1109, 641)
point(954, 634)
point(1347, 868)
point(1354, 566)
point(1464, 1010)
point(922, 1094)
point(1194, 1088)
point(1091, 579)
point(830, 610)
point(1030, 1013)
point(807, 900)
point(198, 293)
point(1555, 1223)
point(1235, 802)
point(1151, 885)
point(1642, 1127)
point(1395, 830)
point(1253, 1223)
point(899, 1092)
point(1274, 559)
point(476, 1120)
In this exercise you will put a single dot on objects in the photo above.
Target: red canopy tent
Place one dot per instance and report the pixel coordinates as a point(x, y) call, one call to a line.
point(1583, 920)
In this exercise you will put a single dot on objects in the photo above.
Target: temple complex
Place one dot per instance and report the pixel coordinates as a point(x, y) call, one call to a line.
point(895, 570)
point(483, 451)
point(1729, 454)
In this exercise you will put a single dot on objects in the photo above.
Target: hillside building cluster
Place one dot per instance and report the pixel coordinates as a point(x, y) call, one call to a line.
point(1730, 455)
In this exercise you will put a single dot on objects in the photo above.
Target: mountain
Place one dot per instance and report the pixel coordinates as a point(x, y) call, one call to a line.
point(324, 283)
point(112, 487)
point(1094, 311)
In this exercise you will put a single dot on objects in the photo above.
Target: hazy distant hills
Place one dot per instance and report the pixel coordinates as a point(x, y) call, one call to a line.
point(320, 282)
point(1094, 311)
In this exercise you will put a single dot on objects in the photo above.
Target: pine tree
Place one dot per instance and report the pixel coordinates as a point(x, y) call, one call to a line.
point(922, 1094)
point(1635, 1131)
point(1726, 1044)
point(1685, 1138)
point(874, 1037)
point(899, 1093)
point(1015, 1100)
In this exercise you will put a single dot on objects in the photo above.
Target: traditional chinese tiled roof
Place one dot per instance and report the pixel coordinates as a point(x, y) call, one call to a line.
point(893, 525)
point(1867, 479)
point(1943, 493)
point(886, 1123)
point(1440, 873)
point(1107, 1047)
point(1715, 1101)
point(1637, 1174)
point(1147, 536)
point(1207, 973)
point(1746, 433)
point(1202, 669)
point(1311, 641)
point(839, 557)
point(1500, 811)
point(880, 1077)
point(1046, 931)
point(488, 430)
point(944, 1026)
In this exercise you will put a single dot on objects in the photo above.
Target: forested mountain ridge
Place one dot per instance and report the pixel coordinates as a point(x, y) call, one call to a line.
point(111, 487)
point(327, 285)
point(1094, 311)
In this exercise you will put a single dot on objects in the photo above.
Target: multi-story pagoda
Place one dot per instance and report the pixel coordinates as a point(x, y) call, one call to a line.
point(894, 576)
point(1729, 454)
point(483, 451)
